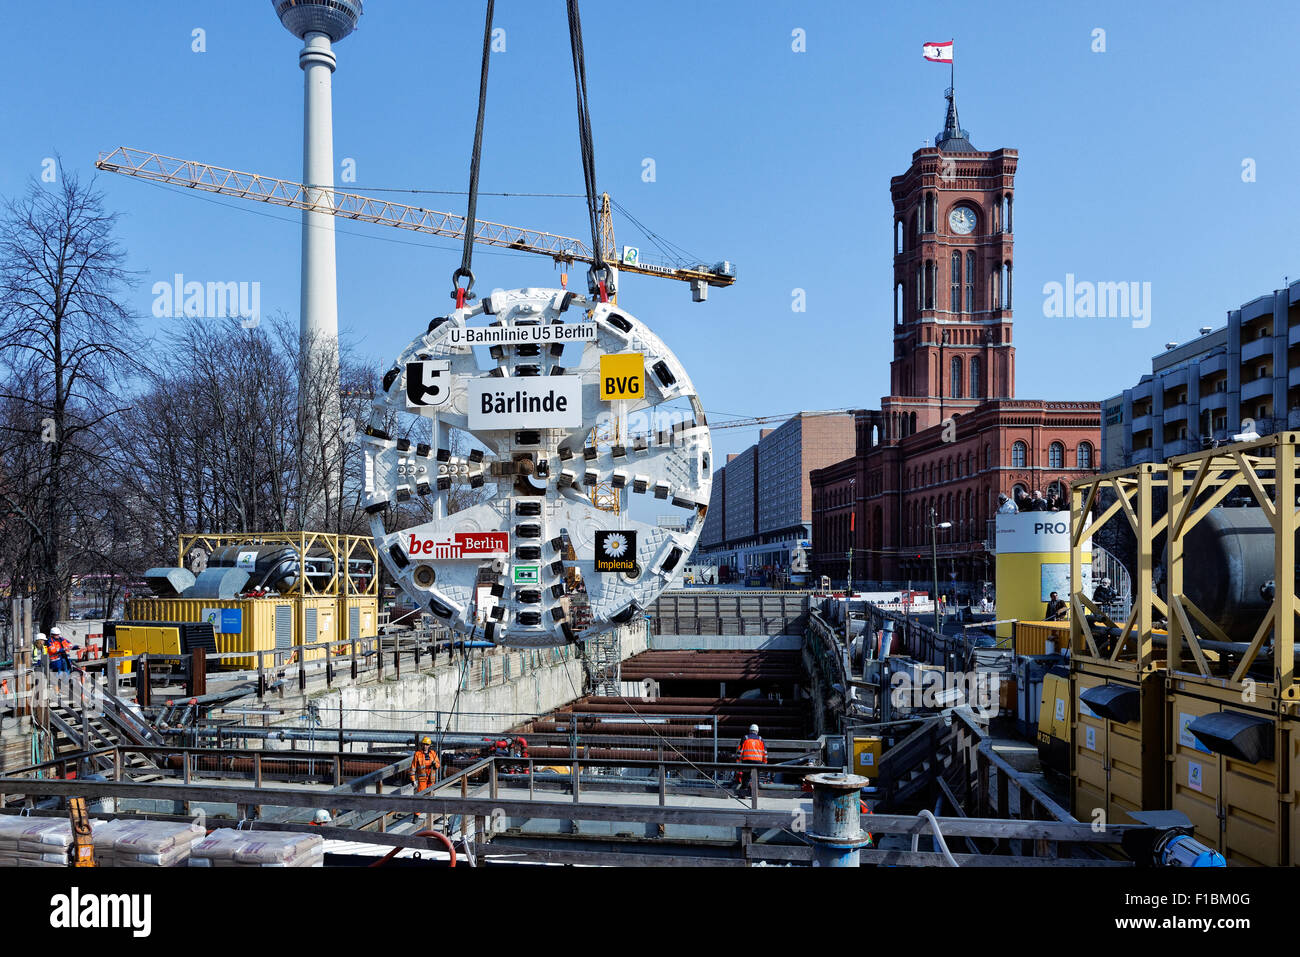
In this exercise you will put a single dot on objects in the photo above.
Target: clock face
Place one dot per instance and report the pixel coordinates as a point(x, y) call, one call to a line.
point(962, 220)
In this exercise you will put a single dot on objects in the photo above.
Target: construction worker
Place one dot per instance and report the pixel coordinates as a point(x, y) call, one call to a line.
point(424, 765)
point(58, 647)
point(38, 649)
point(751, 749)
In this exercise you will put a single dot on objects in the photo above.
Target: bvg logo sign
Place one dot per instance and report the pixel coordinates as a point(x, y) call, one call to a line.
point(622, 376)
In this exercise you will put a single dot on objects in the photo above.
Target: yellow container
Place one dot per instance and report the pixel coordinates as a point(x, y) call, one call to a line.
point(866, 756)
point(317, 625)
point(1032, 636)
point(1291, 735)
point(1116, 766)
point(1238, 808)
point(358, 618)
point(266, 624)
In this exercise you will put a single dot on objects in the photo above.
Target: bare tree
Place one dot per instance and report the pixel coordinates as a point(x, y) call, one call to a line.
point(66, 346)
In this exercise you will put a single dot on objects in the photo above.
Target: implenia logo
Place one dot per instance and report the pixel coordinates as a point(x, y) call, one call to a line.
point(615, 551)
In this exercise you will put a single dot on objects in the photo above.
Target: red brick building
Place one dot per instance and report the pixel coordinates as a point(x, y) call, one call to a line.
point(951, 435)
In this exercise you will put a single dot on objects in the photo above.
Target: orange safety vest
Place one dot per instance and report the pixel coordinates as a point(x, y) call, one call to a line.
point(422, 768)
point(753, 749)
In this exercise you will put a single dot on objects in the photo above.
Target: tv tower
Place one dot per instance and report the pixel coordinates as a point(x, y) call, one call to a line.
point(319, 24)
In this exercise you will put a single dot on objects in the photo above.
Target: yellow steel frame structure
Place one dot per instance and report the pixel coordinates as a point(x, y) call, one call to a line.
point(1197, 483)
point(342, 548)
point(1269, 469)
point(1133, 488)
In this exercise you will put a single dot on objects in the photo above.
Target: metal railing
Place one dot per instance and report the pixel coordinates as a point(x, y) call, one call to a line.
point(487, 804)
point(378, 657)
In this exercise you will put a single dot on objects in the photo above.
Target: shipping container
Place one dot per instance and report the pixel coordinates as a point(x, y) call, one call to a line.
point(1239, 803)
point(1117, 757)
point(262, 624)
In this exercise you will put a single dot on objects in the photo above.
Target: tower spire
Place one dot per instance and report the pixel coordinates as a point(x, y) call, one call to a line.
point(953, 139)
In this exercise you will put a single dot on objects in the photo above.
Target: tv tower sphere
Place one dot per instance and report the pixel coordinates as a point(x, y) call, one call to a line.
point(334, 18)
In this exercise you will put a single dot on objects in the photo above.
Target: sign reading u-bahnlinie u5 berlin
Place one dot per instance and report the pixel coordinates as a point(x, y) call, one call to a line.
point(526, 402)
point(522, 335)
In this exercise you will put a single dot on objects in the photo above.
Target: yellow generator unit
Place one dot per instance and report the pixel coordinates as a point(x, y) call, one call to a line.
point(159, 637)
point(1054, 722)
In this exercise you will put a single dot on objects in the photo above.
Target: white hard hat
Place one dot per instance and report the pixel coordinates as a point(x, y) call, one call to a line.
point(753, 729)
point(55, 630)
point(322, 816)
point(40, 636)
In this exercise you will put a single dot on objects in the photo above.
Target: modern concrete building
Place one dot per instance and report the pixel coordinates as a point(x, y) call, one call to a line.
point(1240, 377)
point(761, 506)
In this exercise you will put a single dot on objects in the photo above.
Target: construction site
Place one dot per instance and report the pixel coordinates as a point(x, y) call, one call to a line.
point(518, 652)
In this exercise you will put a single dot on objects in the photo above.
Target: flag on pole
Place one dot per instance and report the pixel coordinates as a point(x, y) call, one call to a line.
point(937, 52)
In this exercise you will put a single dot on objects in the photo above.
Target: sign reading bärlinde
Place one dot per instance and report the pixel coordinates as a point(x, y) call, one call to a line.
point(522, 335)
point(526, 402)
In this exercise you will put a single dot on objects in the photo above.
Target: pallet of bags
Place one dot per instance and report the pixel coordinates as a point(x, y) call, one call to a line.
point(34, 842)
point(129, 843)
point(231, 848)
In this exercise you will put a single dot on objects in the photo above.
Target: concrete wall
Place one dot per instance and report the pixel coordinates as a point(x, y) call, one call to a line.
point(539, 681)
point(414, 701)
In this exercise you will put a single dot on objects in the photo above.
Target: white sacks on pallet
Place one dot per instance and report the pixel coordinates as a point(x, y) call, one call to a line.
point(34, 842)
point(230, 848)
point(128, 843)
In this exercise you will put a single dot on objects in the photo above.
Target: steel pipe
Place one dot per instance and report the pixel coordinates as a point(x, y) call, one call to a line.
point(837, 833)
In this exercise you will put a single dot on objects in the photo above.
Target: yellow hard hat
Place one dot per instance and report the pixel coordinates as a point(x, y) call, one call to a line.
point(427, 741)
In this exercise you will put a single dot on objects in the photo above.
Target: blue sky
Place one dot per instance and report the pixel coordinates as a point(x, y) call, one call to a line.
point(1130, 161)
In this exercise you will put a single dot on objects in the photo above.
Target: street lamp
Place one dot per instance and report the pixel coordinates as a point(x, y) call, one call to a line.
point(934, 555)
point(852, 516)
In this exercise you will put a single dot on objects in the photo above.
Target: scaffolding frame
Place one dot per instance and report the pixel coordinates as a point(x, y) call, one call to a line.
point(341, 548)
point(1197, 483)
point(1134, 489)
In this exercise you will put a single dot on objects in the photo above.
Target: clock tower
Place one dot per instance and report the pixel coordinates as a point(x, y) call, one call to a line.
point(952, 282)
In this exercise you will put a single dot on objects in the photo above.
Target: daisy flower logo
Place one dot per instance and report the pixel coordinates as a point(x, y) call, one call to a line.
point(616, 545)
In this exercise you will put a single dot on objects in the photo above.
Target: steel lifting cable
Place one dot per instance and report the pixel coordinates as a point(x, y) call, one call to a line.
point(463, 271)
point(599, 274)
point(460, 682)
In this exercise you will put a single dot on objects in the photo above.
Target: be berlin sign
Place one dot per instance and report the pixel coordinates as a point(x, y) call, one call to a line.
point(541, 402)
point(522, 335)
